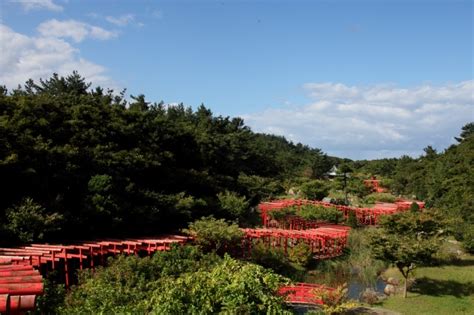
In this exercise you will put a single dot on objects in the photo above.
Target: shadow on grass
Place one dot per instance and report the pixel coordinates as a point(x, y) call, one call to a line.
point(454, 262)
point(427, 286)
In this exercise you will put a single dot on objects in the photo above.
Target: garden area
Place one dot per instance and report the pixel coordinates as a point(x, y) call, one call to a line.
point(112, 205)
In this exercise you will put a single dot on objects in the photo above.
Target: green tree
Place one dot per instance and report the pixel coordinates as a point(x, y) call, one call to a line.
point(215, 234)
point(30, 222)
point(233, 204)
point(467, 131)
point(321, 165)
point(408, 240)
point(315, 189)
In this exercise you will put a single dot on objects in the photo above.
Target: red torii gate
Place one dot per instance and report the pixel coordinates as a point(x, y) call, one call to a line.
point(54, 256)
point(366, 216)
point(325, 241)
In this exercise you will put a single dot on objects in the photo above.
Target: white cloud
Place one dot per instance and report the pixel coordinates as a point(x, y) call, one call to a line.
point(39, 4)
point(25, 57)
point(373, 121)
point(122, 20)
point(73, 29)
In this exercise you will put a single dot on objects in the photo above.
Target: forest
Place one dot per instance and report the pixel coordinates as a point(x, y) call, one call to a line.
point(79, 162)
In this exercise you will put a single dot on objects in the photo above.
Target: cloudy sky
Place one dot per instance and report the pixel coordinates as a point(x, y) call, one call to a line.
point(358, 79)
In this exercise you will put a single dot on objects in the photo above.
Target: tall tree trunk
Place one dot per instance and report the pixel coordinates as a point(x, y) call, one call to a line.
point(405, 287)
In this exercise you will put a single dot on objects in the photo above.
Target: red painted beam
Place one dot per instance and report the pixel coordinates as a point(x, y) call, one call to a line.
point(20, 273)
point(22, 288)
point(21, 279)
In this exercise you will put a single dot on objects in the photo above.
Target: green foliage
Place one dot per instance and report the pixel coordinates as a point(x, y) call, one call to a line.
point(30, 222)
point(320, 213)
point(53, 297)
point(300, 254)
point(233, 204)
point(414, 207)
point(380, 197)
point(444, 180)
point(260, 188)
point(315, 189)
point(273, 258)
point(229, 287)
point(468, 237)
point(352, 220)
point(408, 240)
point(466, 132)
point(335, 301)
point(283, 213)
point(182, 281)
point(215, 234)
point(308, 212)
point(321, 165)
point(357, 188)
point(113, 167)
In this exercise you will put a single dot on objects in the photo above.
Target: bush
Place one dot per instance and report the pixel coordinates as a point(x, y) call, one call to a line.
point(233, 204)
point(468, 238)
point(315, 189)
point(380, 197)
point(270, 257)
point(230, 287)
point(414, 207)
point(335, 301)
point(352, 220)
point(29, 221)
point(181, 281)
point(319, 213)
point(308, 212)
point(300, 254)
point(281, 214)
point(215, 235)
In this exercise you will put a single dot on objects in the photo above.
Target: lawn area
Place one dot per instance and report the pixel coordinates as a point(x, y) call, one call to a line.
point(438, 290)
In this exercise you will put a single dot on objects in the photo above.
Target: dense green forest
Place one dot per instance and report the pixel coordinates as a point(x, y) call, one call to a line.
point(79, 162)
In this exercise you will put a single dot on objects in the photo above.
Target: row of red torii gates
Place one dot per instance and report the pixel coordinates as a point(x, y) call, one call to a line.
point(365, 216)
point(22, 268)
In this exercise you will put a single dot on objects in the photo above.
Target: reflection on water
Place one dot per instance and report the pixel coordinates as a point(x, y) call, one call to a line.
point(355, 288)
point(355, 284)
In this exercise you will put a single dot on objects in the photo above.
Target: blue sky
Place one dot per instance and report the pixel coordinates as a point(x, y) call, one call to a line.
point(360, 79)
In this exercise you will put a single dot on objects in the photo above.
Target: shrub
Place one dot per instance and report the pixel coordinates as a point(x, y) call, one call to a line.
point(380, 197)
point(215, 235)
point(300, 254)
point(181, 281)
point(270, 257)
point(468, 238)
point(335, 301)
point(352, 220)
point(414, 207)
point(281, 214)
point(319, 213)
point(315, 189)
point(233, 204)
point(29, 221)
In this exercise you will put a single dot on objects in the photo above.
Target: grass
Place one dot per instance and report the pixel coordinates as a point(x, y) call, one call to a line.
point(447, 289)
